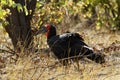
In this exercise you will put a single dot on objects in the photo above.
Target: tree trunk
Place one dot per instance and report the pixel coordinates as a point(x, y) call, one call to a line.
point(19, 27)
point(118, 17)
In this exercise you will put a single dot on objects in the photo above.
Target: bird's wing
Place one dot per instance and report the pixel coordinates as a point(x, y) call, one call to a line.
point(65, 41)
point(78, 36)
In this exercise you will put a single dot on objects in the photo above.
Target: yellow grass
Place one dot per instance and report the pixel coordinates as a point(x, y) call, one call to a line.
point(40, 66)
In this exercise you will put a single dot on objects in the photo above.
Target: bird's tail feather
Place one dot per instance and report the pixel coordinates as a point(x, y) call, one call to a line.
point(90, 54)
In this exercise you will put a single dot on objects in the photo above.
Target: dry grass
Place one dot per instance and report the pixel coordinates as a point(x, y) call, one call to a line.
point(41, 66)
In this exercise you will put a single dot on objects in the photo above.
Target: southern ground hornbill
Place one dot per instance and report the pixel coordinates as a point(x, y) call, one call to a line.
point(69, 46)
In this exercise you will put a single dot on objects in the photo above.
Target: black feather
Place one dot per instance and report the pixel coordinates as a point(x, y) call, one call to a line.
point(71, 45)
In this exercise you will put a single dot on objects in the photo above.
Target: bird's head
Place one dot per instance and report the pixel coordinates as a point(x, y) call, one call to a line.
point(48, 29)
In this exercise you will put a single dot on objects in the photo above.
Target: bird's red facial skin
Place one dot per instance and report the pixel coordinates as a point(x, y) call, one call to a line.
point(48, 29)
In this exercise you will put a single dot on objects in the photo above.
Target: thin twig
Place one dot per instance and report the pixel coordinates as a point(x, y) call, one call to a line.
point(41, 74)
point(4, 51)
point(10, 49)
point(34, 73)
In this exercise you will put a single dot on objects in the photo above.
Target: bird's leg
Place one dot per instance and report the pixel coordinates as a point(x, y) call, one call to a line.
point(77, 63)
point(64, 61)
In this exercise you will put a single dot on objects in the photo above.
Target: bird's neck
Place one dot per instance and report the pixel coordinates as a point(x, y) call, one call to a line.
point(50, 34)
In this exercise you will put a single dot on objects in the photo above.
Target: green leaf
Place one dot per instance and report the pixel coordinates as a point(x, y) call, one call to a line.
point(2, 13)
point(19, 7)
point(26, 10)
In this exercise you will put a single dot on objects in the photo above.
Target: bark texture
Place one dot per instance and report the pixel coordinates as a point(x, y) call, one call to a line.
point(19, 27)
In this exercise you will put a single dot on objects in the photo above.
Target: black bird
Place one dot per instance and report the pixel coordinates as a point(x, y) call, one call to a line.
point(70, 46)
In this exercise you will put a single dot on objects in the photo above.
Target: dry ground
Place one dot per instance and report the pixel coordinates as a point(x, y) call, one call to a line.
point(41, 66)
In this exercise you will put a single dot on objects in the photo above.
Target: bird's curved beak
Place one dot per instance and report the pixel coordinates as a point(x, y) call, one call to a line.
point(42, 29)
